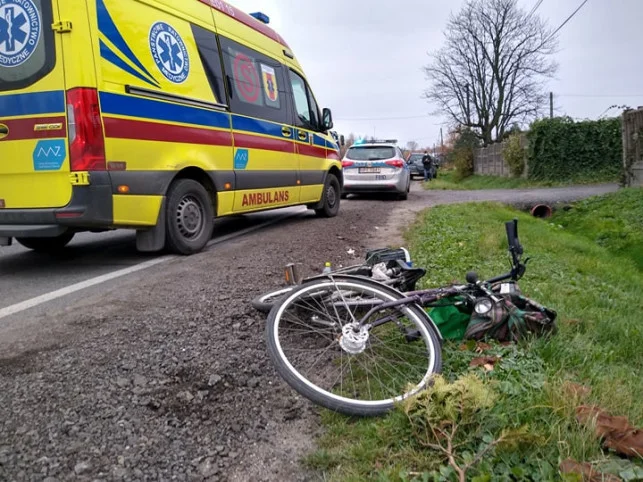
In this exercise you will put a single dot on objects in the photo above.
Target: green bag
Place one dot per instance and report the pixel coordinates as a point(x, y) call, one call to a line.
point(451, 322)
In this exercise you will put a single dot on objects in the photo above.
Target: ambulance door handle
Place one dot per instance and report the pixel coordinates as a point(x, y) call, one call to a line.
point(286, 132)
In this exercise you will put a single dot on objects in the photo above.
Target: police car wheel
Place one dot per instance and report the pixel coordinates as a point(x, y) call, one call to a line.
point(330, 198)
point(403, 196)
point(190, 217)
point(47, 245)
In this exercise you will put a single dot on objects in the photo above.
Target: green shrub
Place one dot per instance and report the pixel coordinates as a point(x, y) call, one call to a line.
point(562, 149)
point(514, 155)
point(462, 155)
point(463, 160)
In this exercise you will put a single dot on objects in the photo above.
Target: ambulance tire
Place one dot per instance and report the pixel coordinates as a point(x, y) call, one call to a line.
point(330, 198)
point(47, 245)
point(189, 217)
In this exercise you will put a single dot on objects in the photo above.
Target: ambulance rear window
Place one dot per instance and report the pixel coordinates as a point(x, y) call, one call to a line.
point(27, 49)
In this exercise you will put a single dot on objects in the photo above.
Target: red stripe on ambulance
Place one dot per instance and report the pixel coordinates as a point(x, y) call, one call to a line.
point(151, 131)
point(36, 128)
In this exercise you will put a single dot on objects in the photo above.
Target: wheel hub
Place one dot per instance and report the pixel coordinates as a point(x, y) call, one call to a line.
point(353, 339)
point(189, 217)
point(331, 196)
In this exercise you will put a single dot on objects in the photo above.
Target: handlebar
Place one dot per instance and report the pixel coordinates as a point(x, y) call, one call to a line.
point(516, 251)
point(515, 248)
point(502, 277)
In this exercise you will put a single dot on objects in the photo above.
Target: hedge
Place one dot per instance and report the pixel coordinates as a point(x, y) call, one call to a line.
point(563, 150)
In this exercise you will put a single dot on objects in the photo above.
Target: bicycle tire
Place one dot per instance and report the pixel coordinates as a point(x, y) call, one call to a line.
point(266, 301)
point(338, 403)
point(261, 303)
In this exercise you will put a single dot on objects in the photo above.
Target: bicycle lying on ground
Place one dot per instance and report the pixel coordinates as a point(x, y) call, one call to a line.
point(388, 266)
point(327, 336)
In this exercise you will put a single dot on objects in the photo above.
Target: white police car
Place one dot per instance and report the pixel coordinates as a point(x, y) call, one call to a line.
point(375, 166)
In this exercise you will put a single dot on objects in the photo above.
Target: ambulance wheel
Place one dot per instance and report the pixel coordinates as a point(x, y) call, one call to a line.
point(330, 198)
point(47, 245)
point(189, 217)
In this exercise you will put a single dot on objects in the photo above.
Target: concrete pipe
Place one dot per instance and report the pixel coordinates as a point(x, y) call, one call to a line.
point(541, 211)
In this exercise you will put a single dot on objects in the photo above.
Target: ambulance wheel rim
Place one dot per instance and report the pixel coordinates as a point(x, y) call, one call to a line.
point(189, 217)
point(331, 196)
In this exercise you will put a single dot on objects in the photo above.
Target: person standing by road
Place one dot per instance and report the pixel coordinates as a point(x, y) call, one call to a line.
point(427, 163)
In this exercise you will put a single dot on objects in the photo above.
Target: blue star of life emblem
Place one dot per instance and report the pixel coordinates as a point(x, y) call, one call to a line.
point(20, 28)
point(169, 52)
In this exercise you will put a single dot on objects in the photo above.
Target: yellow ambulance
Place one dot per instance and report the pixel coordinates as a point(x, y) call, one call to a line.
point(152, 115)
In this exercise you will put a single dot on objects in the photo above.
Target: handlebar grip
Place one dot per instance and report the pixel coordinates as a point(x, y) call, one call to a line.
point(512, 232)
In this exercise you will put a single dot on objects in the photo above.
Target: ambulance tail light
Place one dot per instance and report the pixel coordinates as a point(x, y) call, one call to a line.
point(347, 163)
point(395, 163)
point(86, 139)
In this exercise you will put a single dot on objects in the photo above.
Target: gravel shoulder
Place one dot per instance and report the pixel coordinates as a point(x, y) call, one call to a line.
point(165, 376)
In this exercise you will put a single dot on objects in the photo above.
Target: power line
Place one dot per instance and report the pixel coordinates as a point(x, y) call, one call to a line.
point(565, 22)
point(533, 10)
point(596, 96)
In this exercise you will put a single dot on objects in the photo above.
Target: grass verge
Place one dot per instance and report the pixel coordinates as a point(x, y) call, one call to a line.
point(597, 294)
point(614, 221)
point(446, 181)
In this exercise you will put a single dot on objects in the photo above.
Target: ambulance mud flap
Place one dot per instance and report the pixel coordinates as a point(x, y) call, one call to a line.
point(320, 204)
point(153, 239)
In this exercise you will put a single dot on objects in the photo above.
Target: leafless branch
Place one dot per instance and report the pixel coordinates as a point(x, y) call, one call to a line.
point(492, 70)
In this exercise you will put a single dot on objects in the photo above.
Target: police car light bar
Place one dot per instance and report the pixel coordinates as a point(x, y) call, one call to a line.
point(262, 17)
point(384, 141)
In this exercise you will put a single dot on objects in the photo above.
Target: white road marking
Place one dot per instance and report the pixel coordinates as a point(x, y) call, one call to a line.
point(39, 300)
point(53, 295)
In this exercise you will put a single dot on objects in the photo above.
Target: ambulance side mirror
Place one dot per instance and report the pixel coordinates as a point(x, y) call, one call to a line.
point(327, 119)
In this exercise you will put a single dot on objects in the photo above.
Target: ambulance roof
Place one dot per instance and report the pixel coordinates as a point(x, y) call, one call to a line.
point(244, 18)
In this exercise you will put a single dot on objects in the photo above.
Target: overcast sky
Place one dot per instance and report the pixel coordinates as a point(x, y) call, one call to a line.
point(363, 58)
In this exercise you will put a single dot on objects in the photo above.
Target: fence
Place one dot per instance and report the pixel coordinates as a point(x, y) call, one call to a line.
point(633, 147)
point(489, 161)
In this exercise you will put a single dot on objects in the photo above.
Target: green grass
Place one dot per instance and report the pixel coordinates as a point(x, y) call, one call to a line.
point(614, 221)
point(598, 295)
point(446, 181)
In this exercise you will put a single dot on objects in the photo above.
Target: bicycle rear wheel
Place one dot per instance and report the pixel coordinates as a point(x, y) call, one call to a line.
point(319, 350)
point(266, 301)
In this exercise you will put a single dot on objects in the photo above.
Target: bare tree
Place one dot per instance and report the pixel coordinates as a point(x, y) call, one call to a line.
point(492, 70)
point(412, 146)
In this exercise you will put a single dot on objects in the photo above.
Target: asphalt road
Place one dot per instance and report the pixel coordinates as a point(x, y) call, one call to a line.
point(25, 274)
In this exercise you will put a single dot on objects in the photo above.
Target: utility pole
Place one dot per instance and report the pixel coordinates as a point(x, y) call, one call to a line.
point(551, 105)
point(468, 109)
point(441, 140)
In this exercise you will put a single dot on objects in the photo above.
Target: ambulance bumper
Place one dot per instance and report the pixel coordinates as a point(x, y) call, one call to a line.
point(90, 207)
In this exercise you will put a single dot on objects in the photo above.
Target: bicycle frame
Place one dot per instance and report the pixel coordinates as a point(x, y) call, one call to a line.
point(425, 298)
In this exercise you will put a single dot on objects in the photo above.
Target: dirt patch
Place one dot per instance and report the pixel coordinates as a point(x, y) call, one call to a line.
point(390, 231)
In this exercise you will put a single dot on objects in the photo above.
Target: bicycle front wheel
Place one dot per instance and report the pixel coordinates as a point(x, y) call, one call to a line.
point(320, 348)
